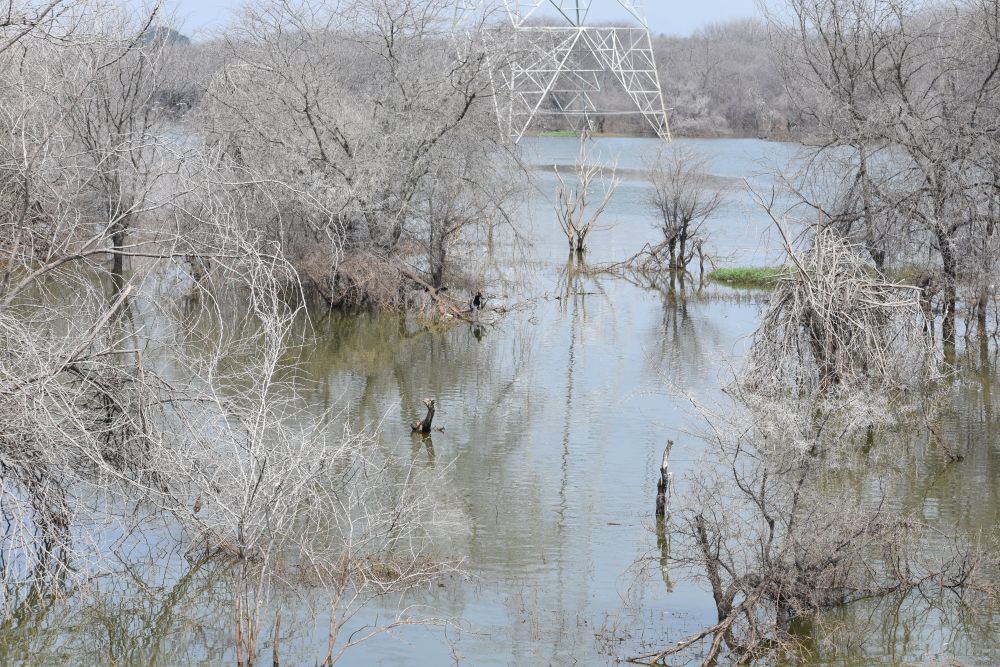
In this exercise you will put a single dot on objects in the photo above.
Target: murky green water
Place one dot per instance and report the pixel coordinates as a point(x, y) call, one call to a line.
point(555, 419)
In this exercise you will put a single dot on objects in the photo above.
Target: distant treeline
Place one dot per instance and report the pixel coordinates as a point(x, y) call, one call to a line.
point(723, 80)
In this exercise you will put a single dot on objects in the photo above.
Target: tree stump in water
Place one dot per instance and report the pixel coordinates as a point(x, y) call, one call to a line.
point(663, 485)
point(424, 425)
point(478, 301)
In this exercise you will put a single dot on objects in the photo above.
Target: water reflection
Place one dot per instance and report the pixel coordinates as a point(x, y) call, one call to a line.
point(141, 616)
point(902, 630)
point(423, 444)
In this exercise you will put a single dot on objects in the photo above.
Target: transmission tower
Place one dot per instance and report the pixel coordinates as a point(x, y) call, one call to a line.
point(565, 64)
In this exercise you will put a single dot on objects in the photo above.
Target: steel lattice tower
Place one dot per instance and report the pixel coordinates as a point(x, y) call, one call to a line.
point(561, 61)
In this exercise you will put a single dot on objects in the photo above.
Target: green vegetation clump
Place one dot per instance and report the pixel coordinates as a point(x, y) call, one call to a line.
point(749, 276)
point(559, 133)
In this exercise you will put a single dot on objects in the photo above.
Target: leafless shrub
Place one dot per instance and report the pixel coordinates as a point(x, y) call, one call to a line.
point(75, 417)
point(777, 534)
point(834, 323)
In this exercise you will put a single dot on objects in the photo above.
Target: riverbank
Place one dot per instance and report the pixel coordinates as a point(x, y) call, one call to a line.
point(720, 134)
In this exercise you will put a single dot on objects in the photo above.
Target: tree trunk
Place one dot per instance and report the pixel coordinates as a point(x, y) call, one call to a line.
point(275, 639)
point(723, 604)
point(871, 242)
point(117, 246)
point(437, 258)
point(682, 248)
point(663, 485)
point(949, 292)
point(981, 307)
point(424, 425)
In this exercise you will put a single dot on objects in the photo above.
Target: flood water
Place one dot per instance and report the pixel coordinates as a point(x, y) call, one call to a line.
point(555, 418)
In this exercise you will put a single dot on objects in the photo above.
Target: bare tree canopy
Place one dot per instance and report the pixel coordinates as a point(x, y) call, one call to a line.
point(683, 197)
point(903, 93)
point(367, 133)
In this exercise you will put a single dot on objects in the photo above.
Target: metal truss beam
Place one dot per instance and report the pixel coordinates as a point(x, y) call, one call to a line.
point(575, 12)
point(561, 60)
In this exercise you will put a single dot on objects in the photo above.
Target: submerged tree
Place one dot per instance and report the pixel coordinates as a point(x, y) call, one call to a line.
point(683, 197)
point(777, 536)
point(769, 520)
point(582, 201)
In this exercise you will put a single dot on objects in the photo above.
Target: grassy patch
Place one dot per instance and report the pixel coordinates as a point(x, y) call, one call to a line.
point(559, 133)
point(909, 274)
point(749, 276)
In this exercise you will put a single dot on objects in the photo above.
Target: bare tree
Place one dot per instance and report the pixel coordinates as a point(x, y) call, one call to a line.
point(82, 150)
point(366, 133)
point(576, 213)
point(684, 197)
point(112, 119)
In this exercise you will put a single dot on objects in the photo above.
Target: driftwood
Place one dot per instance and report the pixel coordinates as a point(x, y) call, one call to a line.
point(663, 485)
point(446, 305)
point(424, 425)
point(654, 260)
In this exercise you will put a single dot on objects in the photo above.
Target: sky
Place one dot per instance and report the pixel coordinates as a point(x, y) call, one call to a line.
point(676, 17)
point(682, 17)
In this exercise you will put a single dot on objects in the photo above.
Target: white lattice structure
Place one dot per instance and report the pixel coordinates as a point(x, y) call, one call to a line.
point(562, 63)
